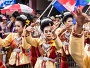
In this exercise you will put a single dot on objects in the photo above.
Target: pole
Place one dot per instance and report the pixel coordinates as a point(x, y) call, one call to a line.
point(87, 9)
point(46, 9)
point(50, 11)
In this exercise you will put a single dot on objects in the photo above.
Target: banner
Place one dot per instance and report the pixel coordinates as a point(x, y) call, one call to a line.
point(4, 3)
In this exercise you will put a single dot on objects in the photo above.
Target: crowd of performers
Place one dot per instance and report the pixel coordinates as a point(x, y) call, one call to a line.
point(35, 43)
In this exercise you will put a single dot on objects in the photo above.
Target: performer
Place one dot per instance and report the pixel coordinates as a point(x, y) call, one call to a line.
point(48, 45)
point(64, 34)
point(77, 51)
point(86, 28)
point(19, 58)
point(65, 31)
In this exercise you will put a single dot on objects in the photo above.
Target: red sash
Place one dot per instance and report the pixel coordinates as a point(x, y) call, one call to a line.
point(2, 65)
point(64, 62)
point(34, 53)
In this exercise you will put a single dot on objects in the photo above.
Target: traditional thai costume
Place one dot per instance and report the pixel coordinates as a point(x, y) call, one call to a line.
point(18, 58)
point(65, 40)
point(65, 37)
point(77, 50)
point(47, 51)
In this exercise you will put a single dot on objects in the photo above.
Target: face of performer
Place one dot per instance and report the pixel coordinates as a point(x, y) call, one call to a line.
point(47, 32)
point(19, 26)
point(69, 21)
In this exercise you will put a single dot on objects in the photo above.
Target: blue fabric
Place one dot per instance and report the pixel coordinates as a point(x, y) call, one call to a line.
point(59, 6)
point(81, 2)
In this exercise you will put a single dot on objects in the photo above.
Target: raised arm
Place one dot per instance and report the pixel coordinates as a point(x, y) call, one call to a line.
point(56, 37)
point(58, 43)
point(28, 37)
point(77, 39)
point(32, 41)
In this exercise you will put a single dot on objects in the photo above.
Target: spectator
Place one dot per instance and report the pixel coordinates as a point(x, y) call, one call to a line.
point(4, 24)
point(13, 19)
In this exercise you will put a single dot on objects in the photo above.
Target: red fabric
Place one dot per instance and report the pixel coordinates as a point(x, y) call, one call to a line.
point(64, 62)
point(65, 1)
point(52, 53)
point(34, 53)
point(63, 38)
point(3, 11)
point(63, 58)
point(88, 40)
point(15, 7)
point(68, 4)
point(23, 50)
point(13, 44)
point(1, 65)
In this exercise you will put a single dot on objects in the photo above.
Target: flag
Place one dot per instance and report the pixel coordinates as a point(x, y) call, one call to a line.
point(62, 5)
point(58, 6)
point(68, 4)
point(82, 2)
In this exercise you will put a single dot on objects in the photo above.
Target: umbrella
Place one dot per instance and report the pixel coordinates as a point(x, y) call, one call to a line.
point(17, 7)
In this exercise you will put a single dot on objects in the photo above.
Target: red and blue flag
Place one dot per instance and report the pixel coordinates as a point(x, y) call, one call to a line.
point(69, 5)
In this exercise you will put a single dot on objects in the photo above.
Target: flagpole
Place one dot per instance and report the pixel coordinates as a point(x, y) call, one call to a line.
point(46, 9)
point(87, 9)
point(50, 11)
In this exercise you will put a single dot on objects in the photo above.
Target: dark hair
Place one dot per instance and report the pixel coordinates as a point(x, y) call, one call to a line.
point(29, 17)
point(45, 22)
point(15, 14)
point(66, 16)
point(22, 20)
